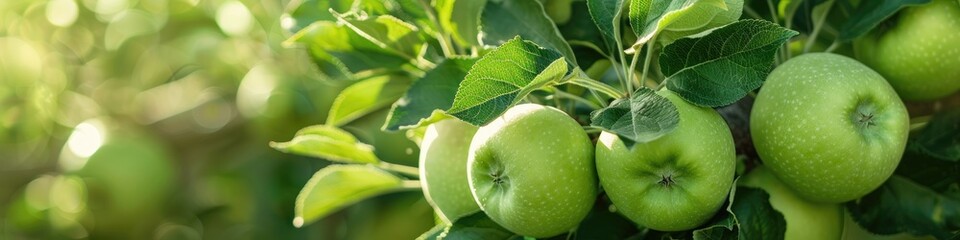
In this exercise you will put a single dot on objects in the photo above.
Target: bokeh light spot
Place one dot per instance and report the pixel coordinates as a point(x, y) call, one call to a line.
point(37, 192)
point(86, 138)
point(255, 90)
point(62, 13)
point(234, 18)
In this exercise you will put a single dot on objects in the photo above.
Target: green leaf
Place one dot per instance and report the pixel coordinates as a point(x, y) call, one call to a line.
point(606, 15)
point(388, 32)
point(434, 91)
point(869, 14)
point(475, 227)
point(721, 227)
point(461, 18)
point(504, 20)
point(748, 215)
point(342, 54)
point(901, 205)
point(503, 77)
point(365, 97)
point(723, 66)
point(328, 142)
point(338, 186)
point(644, 117)
point(941, 137)
point(660, 14)
point(756, 218)
point(639, 9)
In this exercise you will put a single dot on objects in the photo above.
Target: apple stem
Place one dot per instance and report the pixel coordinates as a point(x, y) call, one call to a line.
point(557, 93)
point(753, 13)
point(623, 63)
point(590, 130)
point(773, 12)
point(631, 72)
point(410, 184)
point(405, 170)
point(833, 46)
point(595, 85)
point(816, 27)
point(646, 61)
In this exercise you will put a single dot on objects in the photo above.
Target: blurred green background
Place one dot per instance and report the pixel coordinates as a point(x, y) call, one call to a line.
point(149, 119)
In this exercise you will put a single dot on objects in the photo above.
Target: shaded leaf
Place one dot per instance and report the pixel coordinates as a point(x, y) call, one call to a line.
point(869, 14)
point(503, 77)
point(434, 91)
point(388, 32)
point(585, 39)
point(901, 205)
point(643, 117)
point(338, 186)
point(723, 66)
point(328, 142)
point(342, 54)
point(365, 97)
point(602, 224)
point(504, 20)
point(476, 226)
point(461, 18)
point(748, 215)
point(756, 218)
point(606, 15)
point(941, 137)
point(937, 174)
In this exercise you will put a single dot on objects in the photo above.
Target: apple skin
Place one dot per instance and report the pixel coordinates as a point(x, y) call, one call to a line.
point(443, 169)
point(829, 127)
point(805, 219)
point(532, 171)
point(558, 10)
point(920, 54)
point(698, 156)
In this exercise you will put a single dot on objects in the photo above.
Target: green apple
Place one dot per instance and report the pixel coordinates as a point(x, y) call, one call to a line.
point(558, 10)
point(829, 127)
point(920, 53)
point(443, 168)
point(676, 182)
point(531, 170)
point(805, 219)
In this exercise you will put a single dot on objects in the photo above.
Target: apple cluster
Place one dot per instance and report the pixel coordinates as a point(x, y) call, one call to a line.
point(827, 128)
point(536, 172)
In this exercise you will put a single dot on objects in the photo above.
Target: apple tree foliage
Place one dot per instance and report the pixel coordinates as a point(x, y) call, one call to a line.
point(428, 60)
